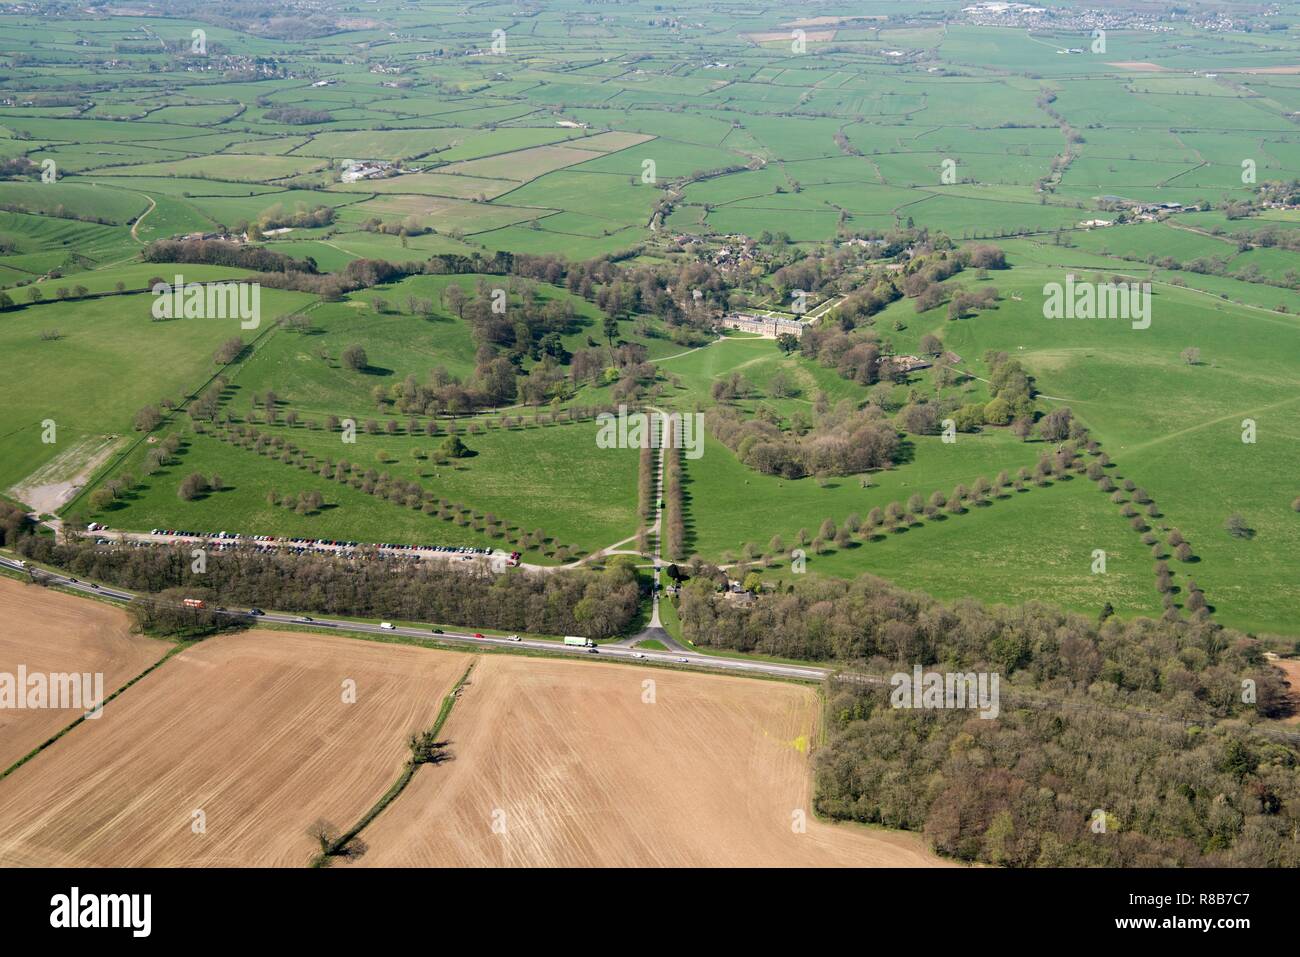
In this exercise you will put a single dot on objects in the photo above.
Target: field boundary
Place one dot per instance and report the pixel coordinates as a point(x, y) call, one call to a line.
point(338, 847)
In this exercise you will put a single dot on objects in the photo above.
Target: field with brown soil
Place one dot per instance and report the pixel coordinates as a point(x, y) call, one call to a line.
point(250, 729)
point(565, 764)
point(1290, 667)
point(48, 631)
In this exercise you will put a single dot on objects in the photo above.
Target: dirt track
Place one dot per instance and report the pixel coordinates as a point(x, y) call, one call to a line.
point(579, 771)
point(252, 730)
point(1290, 667)
point(49, 631)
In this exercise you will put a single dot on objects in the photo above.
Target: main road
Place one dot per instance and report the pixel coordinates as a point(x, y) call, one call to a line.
point(719, 663)
point(622, 652)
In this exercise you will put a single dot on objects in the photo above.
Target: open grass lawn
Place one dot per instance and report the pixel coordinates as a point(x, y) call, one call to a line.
point(109, 360)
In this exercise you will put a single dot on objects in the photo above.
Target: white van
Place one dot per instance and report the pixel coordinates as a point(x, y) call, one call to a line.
point(386, 625)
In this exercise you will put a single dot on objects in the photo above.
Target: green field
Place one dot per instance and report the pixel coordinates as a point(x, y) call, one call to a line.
point(680, 168)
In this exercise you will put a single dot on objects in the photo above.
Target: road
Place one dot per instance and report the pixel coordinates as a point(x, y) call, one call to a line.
point(728, 665)
point(622, 652)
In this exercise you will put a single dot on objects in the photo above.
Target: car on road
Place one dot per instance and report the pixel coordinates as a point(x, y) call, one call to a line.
point(387, 626)
point(478, 634)
point(637, 654)
point(513, 638)
point(437, 631)
point(255, 612)
point(685, 661)
point(303, 618)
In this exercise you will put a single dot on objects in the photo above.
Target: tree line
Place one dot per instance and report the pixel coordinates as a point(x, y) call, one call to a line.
point(596, 604)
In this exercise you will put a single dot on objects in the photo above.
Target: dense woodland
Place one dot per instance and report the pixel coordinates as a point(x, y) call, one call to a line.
point(1035, 786)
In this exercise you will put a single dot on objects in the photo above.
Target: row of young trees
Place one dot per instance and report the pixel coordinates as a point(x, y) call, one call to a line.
point(645, 483)
point(898, 516)
point(673, 528)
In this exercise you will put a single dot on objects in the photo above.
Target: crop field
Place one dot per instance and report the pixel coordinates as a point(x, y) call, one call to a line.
point(562, 764)
point(210, 799)
point(46, 632)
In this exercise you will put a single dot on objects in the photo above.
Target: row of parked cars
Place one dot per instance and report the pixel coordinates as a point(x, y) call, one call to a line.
point(319, 543)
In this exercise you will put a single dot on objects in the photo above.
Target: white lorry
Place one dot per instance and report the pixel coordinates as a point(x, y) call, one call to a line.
point(579, 642)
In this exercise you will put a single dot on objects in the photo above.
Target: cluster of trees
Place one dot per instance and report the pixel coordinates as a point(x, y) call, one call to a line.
point(14, 523)
point(410, 226)
point(229, 351)
point(17, 167)
point(166, 614)
point(841, 441)
point(147, 419)
point(305, 502)
point(523, 324)
point(277, 217)
point(196, 484)
point(297, 116)
point(687, 296)
point(1012, 404)
point(216, 252)
point(575, 602)
point(856, 356)
point(1000, 792)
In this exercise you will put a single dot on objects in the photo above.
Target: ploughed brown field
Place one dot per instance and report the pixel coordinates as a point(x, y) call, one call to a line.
point(251, 729)
point(49, 631)
point(563, 764)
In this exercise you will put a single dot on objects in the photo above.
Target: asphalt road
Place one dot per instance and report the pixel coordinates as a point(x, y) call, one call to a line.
point(711, 662)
